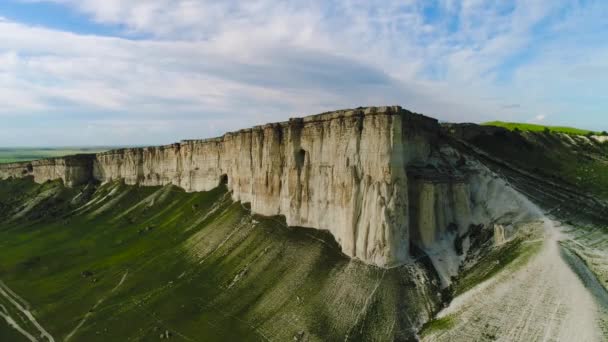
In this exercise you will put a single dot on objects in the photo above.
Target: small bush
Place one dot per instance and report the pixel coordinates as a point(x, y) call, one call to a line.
point(438, 324)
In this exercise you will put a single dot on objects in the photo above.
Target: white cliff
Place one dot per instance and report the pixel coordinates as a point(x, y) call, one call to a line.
point(345, 172)
point(72, 170)
point(451, 195)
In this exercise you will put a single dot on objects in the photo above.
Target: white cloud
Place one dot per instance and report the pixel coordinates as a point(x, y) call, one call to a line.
point(218, 66)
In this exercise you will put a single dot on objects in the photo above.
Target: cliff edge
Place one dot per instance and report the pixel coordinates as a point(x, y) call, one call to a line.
point(344, 171)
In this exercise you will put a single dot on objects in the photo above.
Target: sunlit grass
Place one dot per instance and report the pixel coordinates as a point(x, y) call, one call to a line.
point(538, 128)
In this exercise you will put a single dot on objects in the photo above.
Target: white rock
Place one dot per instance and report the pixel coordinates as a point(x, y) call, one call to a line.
point(342, 171)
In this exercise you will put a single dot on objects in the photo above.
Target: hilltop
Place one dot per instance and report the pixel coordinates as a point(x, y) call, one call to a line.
point(528, 127)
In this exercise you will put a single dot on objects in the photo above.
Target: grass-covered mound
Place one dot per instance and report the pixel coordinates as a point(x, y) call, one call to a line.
point(118, 263)
point(527, 127)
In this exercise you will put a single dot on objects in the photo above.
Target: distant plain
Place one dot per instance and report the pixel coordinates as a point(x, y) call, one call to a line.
point(17, 154)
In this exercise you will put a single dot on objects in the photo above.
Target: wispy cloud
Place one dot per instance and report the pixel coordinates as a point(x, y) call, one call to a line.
point(511, 106)
point(210, 66)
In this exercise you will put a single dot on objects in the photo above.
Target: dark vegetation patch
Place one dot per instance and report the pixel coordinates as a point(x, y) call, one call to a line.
point(9, 334)
point(437, 325)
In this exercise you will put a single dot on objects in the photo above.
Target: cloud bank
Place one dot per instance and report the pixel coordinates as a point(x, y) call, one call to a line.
point(188, 69)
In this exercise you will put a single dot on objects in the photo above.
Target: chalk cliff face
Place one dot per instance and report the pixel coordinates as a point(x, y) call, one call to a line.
point(73, 170)
point(344, 171)
point(453, 191)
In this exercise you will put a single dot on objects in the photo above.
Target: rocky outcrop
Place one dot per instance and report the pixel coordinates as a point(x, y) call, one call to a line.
point(72, 170)
point(438, 208)
point(370, 176)
point(455, 203)
point(600, 138)
point(500, 236)
point(343, 171)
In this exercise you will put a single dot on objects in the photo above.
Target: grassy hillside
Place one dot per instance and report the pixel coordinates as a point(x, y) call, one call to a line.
point(12, 154)
point(569, 160)
point(125, 263)
point(526, 127)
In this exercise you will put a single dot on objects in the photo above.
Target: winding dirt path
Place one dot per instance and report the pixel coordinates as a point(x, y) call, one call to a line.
point(99, 302)
point(23, 307)
point(542, 301)
point(11, 322)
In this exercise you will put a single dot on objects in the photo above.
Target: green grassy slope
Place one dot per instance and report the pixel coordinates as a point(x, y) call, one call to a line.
point(7, 333)
point(574, 160)
point(9, 155)
point(526, 127)
point(138, 262)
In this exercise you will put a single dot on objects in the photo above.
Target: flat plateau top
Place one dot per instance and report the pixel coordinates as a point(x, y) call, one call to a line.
point(326, 116)
point(345, 113)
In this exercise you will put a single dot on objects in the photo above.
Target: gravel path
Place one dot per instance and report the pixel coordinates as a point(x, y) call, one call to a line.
point(542, 301)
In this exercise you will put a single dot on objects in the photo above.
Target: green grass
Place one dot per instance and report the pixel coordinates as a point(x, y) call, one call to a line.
point(199, 265)
point(10, 155)
point(526, 127)
point(553, 157)
point(511, 255)
point(9, 334)
point(437, 325)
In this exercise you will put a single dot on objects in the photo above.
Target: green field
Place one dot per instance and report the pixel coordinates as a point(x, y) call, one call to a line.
point(526, 127)
point(17, 154)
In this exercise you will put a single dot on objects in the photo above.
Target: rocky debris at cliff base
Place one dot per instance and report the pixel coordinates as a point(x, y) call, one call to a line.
point(456, 219)
point(500, 234)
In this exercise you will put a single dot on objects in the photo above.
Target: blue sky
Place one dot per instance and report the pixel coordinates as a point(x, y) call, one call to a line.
point(118, 72)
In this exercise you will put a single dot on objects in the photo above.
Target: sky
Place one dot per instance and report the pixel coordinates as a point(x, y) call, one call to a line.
point(142, 72)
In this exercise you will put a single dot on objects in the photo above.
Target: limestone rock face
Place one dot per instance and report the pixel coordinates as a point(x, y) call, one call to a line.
point(444, 203)
point(439, 208)
point(73, 170)
point(370, 176)
point(343, 171)
point(499, 234)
